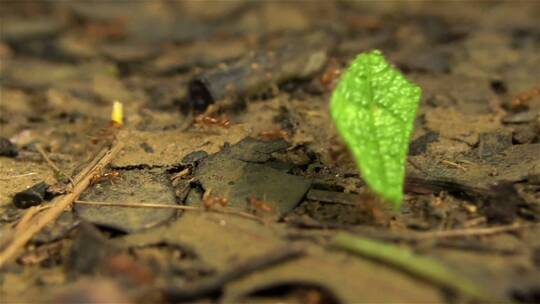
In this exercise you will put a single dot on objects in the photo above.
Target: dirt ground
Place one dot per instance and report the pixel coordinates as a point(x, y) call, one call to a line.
point(240, 178)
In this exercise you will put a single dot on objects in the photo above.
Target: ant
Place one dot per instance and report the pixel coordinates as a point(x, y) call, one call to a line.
point(259, 204)
point(337, 151)
point(110, 176)
point(274, 134)
point(330, 75)
point(107, 133)
point(210, 201)
point(373, 208)
point(521, 100)
point(207, 120)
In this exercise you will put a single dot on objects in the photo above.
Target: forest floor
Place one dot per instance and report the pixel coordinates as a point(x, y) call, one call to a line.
point(231, 182)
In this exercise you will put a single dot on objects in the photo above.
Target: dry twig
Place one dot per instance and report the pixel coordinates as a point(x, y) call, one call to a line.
point(17, 176)
point(18, 226)
point(474, 231)
point(60, 203)
point(53, 166)
point(409, 236)
point(453, 164)
point(167, 206)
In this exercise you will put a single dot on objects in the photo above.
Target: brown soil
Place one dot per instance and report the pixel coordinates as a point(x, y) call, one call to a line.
point(230, 98)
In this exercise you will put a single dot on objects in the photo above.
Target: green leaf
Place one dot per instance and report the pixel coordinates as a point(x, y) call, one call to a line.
point(373, 107)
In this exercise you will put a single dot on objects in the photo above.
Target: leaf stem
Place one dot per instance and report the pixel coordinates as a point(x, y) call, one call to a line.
point(402, 258)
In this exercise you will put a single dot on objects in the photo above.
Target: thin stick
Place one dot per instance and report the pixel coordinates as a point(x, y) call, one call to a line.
point(17, 227)
point(58, 205)
point(473, 231)
point(27, 216)
point(55, 168)
point(388, 235)
point(166, 206)
point(453, 164)
point(17, 176)
point(91, 165)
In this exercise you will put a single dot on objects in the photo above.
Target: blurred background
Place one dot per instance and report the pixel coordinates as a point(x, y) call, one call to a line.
point(196, 76)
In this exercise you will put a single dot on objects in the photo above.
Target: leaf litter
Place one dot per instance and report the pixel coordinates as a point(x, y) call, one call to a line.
point(265, 157)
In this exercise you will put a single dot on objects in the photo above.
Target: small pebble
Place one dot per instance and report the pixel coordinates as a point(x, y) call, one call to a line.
point(7, 148)
point(524, 135)
point(32, 196)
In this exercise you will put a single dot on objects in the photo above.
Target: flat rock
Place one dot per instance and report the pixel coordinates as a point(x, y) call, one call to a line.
point(492, 143)
point(420, 145)
point(133, 187)
point(238, 172)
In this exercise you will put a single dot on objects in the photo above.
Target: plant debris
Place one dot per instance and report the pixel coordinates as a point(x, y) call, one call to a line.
point(256, 73)
point(7, 148)
point(239, 172)
point(127, 189)
point(32, 196)
point(224, 179)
